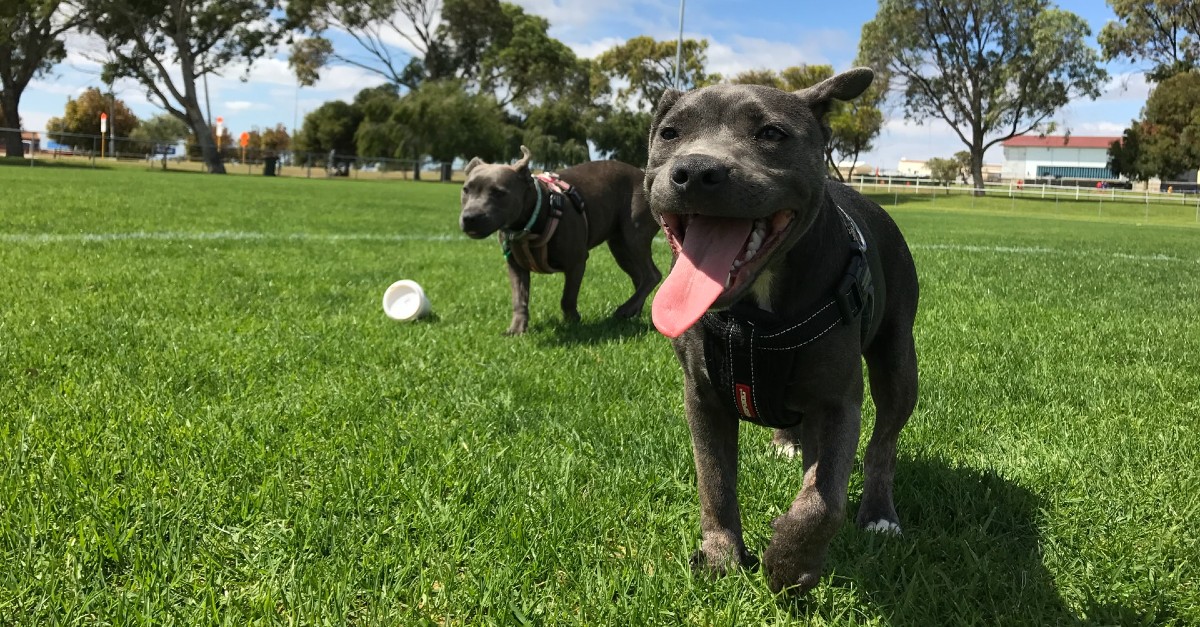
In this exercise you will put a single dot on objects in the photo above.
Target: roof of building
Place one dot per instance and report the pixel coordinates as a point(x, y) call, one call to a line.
point(1059, 141)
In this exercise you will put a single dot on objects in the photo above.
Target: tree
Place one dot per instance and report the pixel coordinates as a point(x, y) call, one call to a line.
point(330, 127)
point(378, 135)
point(444, 121)
point(1166, 142)
point(963, 159)
point(556, 127)
point(854, 124)
point(1165, 33)
point(31, 43)
point(168, 44)
point(648, 69)
point(489, 46)
point(621, 134)
point(1124, 155)
point(275, 140)
point(374, 25)
point(161, 130)
point(523, 60)
point(80, 124)
point(991, 69)
point(943, 171)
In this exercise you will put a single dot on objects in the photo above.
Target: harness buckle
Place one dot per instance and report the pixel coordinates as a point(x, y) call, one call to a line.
point(854, 291)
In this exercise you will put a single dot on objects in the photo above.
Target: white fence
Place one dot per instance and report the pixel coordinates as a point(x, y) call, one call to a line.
point(897, 187)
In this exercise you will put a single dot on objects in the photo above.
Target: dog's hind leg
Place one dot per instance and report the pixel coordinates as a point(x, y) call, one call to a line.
point(892, 368)
point(635, 258)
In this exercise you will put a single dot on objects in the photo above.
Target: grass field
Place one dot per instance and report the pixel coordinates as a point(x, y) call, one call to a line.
point(205, 418)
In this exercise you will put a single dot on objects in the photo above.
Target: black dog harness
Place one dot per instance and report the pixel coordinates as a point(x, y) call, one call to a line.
point(528, 249)
point(751, 355)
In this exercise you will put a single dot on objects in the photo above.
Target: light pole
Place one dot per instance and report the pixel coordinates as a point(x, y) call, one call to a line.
point(679, 49)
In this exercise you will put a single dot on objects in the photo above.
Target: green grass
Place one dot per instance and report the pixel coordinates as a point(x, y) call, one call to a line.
point(207, 419)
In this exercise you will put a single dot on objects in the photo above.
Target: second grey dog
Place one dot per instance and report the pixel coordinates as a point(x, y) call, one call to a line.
point(782, 282)
point(509, 199)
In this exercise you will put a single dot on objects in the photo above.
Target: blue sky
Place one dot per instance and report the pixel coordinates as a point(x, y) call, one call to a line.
point(742, 35)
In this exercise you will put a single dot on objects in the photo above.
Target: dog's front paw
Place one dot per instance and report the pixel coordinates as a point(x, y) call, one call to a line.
point(628, 310)
point(791, 564)
point(719, 565)
point(520, 320)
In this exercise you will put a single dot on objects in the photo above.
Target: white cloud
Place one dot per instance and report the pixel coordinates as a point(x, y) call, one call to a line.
point(741, 53)
point(1128, 86)
point(243, 105)
point(596, 47)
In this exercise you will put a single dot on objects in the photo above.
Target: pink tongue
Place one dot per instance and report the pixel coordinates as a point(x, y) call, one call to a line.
point(709, 249)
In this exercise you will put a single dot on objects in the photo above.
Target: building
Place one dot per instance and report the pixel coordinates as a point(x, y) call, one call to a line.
point(918, 169)
point(1058, 157)
point(914, 168)
point(31, 141)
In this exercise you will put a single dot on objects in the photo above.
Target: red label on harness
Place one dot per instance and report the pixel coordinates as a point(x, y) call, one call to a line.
point(745, 399)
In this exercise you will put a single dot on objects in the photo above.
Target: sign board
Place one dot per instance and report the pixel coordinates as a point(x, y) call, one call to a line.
point(164, 149)
point(103, 122)
point(244, 140)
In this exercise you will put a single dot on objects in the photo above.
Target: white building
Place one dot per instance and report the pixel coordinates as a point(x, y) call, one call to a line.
point(915, 168)
point(1058, 156)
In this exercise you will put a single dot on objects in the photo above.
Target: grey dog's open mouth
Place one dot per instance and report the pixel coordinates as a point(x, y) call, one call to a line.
point(760, 246)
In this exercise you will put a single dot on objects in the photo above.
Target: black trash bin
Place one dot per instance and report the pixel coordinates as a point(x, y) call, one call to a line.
point(269, 165)
point(447, 172)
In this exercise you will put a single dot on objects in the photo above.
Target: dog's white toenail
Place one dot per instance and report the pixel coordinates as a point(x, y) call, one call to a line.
point(786, 450)
point(884, 526)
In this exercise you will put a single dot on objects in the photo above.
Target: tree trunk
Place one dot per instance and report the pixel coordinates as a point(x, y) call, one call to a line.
point(12, 139)
point(977, 170)
point(191, 106)
point(205, 139)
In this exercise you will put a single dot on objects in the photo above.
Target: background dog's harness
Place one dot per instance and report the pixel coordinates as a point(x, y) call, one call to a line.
point(751, 354)
point(528, 249)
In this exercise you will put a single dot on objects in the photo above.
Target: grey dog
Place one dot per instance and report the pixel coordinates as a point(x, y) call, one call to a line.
point(783, 281)
point(544, 230)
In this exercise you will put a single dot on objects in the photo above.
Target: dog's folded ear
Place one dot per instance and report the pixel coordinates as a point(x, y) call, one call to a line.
point(471, 165)
point(523, 162)
point(668, 100)
point(845, 86)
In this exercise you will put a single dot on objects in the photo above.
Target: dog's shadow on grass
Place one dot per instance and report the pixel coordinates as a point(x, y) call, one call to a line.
point(598, 331)
point(971, 553)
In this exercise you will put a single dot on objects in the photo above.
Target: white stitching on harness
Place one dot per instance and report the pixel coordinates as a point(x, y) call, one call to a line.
point(814, 338)
point(753, 377)
point(800, 324)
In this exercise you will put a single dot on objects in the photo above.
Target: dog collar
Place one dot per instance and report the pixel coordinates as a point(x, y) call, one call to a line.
point(750, 353)
point(537, 208)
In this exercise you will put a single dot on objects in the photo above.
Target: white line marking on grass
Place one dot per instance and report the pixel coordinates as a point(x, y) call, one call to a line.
point(184, 236)
point(217, 236)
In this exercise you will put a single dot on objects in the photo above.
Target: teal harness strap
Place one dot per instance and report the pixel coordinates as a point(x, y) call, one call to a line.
point(506, 235)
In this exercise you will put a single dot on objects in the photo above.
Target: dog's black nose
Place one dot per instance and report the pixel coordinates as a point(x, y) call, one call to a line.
point(698, 173)
point(474, 222)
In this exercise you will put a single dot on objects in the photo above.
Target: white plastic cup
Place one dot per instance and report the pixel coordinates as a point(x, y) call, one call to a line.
point(405, 300)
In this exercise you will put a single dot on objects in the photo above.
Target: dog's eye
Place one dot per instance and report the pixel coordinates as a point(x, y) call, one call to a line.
point(497, 191)
point(770, 133)
point(668, 133)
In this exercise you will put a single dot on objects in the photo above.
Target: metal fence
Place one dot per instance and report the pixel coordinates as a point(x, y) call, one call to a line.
point(94, 150)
